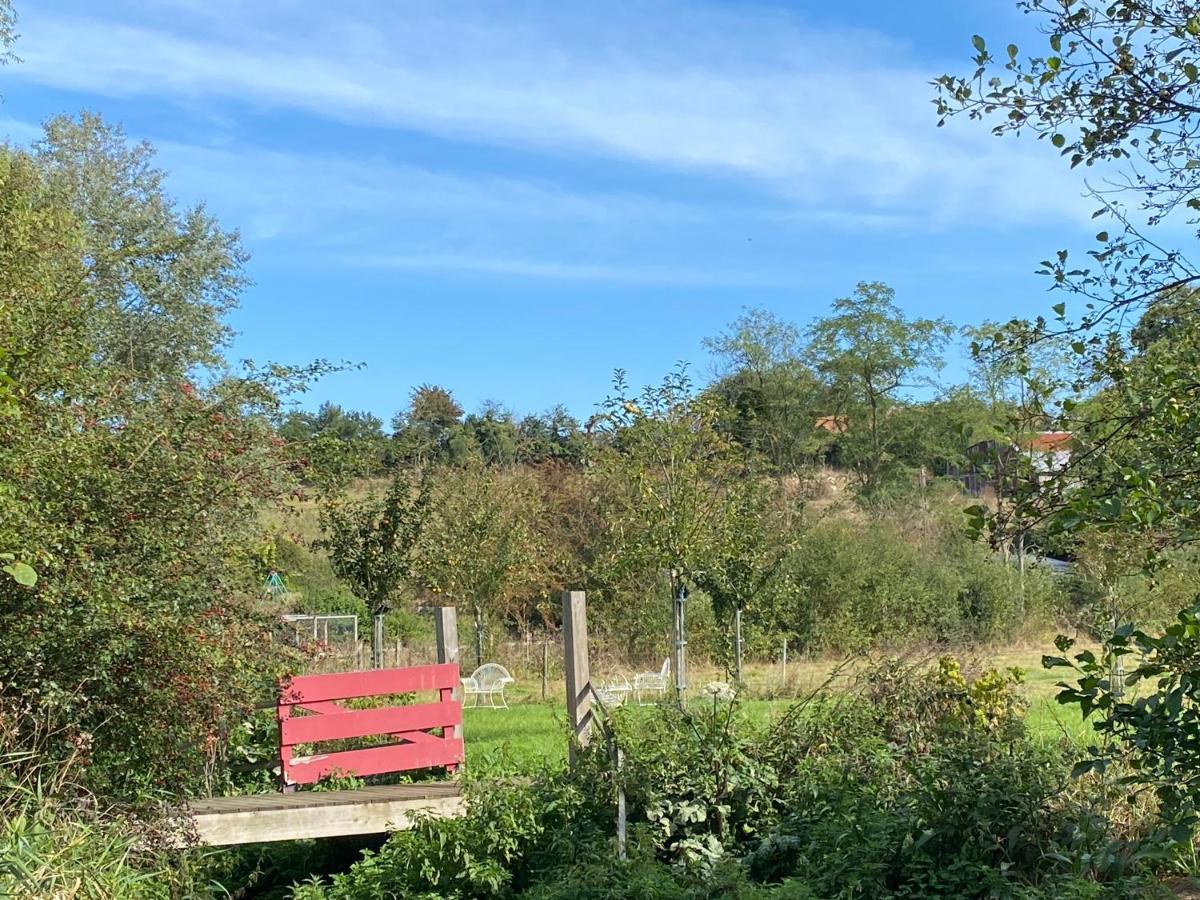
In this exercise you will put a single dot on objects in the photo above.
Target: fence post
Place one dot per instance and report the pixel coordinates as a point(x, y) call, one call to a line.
point(446, 627)
point(575, 663)
point(545, 668)
point(785, 662)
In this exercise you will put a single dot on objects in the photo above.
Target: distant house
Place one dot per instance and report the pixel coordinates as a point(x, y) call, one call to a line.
point(992, 462)
point(832, 424)
point(1050, 451)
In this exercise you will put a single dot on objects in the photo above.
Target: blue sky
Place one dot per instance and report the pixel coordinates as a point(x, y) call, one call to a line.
point(512, 199)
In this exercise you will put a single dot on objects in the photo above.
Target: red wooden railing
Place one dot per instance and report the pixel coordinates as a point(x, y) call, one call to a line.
point(429, 734)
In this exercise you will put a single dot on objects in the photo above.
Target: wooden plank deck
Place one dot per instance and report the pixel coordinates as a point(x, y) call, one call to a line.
point(259, 818)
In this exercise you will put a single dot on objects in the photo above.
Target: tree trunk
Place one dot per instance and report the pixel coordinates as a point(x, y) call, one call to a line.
point(1021, 570)
point(737, 645)
point(678, 599)
point(1117, 672)
point(478, 636)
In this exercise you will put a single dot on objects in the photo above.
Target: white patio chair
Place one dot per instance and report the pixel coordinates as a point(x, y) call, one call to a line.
point(614, 691)
point(487, 681)
point(652, 682)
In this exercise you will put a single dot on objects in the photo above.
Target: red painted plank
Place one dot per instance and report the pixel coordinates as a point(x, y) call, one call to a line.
point(375, 760)
point(419, 737)
point(323, 707)
point(363, 722)
point(344, 685)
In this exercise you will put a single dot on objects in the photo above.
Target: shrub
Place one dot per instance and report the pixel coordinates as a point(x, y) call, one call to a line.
point(55, 840)
point(851, 587)
point(507, 838)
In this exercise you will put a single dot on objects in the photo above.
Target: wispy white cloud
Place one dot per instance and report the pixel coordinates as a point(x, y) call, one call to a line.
point(829, 121)
point(579, 270)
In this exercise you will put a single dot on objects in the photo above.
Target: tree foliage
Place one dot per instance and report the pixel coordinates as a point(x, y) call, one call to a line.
point(869, 351)
point(662, 474)
point(482, 547)
point(373, 541)
point(135, 496)
point(163, 277)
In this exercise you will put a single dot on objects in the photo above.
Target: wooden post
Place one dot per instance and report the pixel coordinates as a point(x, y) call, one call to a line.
point(446, 627)
point(545, 668)
point(785, 662)
point(575, 663)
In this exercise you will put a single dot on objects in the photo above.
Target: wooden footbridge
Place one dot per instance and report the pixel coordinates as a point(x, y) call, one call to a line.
point(312, 712)
point(319, 814)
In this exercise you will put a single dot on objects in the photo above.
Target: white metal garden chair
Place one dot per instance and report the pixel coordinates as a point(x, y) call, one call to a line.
point(614, 691)
point(652, 682)
point(488, 681)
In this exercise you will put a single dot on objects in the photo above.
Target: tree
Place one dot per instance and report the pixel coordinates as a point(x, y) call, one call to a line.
point(773, 398)
point(868, 350)
point(749, 547)
point(482, 546)
point(163, 278)
point(1115, 85)
point(660, 483)
point(1021, 383)
point(335, 444)
point(430, 430)
point(372, 542)
point(554, 436)
point(137, 500)
point(1172, 316)
point(495, 434)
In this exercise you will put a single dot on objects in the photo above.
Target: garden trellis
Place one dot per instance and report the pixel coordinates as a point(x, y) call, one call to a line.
point(328, 629)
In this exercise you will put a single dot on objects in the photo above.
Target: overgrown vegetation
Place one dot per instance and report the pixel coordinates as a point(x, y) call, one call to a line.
point(926, 774)
point(811, 493)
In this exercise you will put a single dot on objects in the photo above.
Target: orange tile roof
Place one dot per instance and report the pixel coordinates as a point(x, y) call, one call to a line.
point(832, 424)
point(1048, 440)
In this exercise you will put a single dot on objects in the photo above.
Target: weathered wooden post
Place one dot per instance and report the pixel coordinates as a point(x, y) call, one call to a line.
point(446, 627)
point(575, 664)
point(545, 669)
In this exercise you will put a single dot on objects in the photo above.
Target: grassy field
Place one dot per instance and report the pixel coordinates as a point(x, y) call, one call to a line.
point(532, 732)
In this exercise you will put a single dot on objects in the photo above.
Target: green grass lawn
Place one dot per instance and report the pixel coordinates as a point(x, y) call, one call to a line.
point(532, 733)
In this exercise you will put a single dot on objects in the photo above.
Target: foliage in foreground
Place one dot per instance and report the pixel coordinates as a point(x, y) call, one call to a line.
point(130, 477)
point(54, 839)
point(1148, 717)
point(918, 784)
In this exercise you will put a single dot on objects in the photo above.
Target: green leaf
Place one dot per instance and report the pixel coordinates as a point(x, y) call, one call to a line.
point(1058, 140)
point(1012, 51)
point(979, 43)
point(1056, 42)
point(1060, 309)
point(22, 573)
point(1102, 237)
point(1193, 25)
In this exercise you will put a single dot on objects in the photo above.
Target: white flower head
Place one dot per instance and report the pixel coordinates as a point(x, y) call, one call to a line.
point(719, 690)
